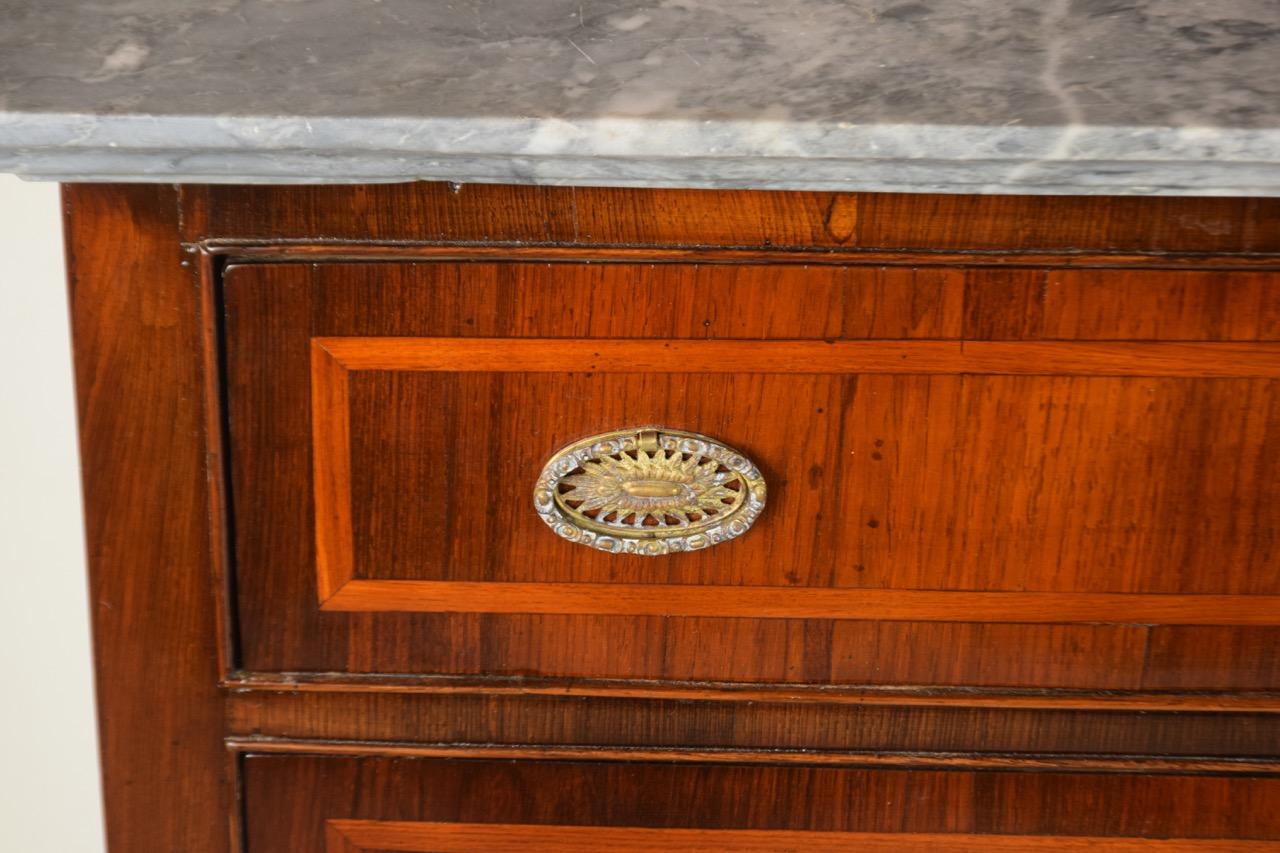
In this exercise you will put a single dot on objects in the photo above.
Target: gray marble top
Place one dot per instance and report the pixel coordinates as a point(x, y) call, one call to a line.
point(1178, 97)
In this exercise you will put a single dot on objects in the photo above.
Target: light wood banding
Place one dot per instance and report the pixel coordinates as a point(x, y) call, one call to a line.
point(801, 603)
point(340, 590)
point(1026, 358)
point(355, 836)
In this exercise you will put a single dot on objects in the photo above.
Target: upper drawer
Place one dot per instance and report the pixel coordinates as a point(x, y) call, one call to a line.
point(958, 465)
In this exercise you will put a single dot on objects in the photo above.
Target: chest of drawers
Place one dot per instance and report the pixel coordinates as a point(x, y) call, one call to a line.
point(937, 521)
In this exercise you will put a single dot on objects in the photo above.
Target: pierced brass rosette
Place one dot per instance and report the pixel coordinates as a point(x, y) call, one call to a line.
point(649, 490)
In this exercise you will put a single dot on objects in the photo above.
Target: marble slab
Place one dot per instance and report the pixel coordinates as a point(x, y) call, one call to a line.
point(1173, 97)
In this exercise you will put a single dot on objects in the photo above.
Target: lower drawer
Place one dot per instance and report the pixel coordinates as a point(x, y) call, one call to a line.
point(342, 804)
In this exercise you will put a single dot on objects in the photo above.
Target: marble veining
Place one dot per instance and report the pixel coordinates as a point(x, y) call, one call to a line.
point(1055, 96)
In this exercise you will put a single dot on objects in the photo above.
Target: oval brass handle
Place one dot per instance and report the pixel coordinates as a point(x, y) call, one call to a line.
point(649, 490)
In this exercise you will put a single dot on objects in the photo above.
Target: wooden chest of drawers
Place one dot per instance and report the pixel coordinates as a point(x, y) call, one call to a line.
point(1015, 583)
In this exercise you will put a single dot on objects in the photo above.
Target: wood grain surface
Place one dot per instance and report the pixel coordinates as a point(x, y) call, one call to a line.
point(1019, 562)
point(778, 221)
point(985, 727)
point(290, 799)
point(1158, 305)
point(135, 318)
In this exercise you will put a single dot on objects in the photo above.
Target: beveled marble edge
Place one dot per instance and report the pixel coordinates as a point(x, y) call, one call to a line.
point(1081, 160)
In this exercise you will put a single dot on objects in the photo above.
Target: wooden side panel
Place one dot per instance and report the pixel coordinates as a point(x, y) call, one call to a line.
point(135, 313)
point(290, 799)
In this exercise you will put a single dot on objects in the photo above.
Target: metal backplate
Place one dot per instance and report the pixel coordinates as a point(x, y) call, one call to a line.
point(649, 490)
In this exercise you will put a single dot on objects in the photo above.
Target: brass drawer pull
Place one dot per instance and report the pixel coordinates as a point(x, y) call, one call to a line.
point(649, 490)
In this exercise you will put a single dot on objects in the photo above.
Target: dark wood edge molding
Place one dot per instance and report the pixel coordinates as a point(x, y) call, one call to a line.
point(901, 696)
point(339, 251)
point(611, 722)
point(235, 784)
point(208, 279)
point(1139, 764)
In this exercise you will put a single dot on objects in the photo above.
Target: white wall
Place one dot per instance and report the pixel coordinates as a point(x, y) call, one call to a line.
point(49, 790)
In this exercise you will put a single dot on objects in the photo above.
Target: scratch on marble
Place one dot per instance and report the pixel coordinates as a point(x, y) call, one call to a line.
point(580, 50)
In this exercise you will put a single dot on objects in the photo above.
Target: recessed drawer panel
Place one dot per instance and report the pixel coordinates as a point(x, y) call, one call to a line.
point(945, 507)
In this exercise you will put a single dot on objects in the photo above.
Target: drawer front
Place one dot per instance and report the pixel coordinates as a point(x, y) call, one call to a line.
point(976, 477)
point(341, 804)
